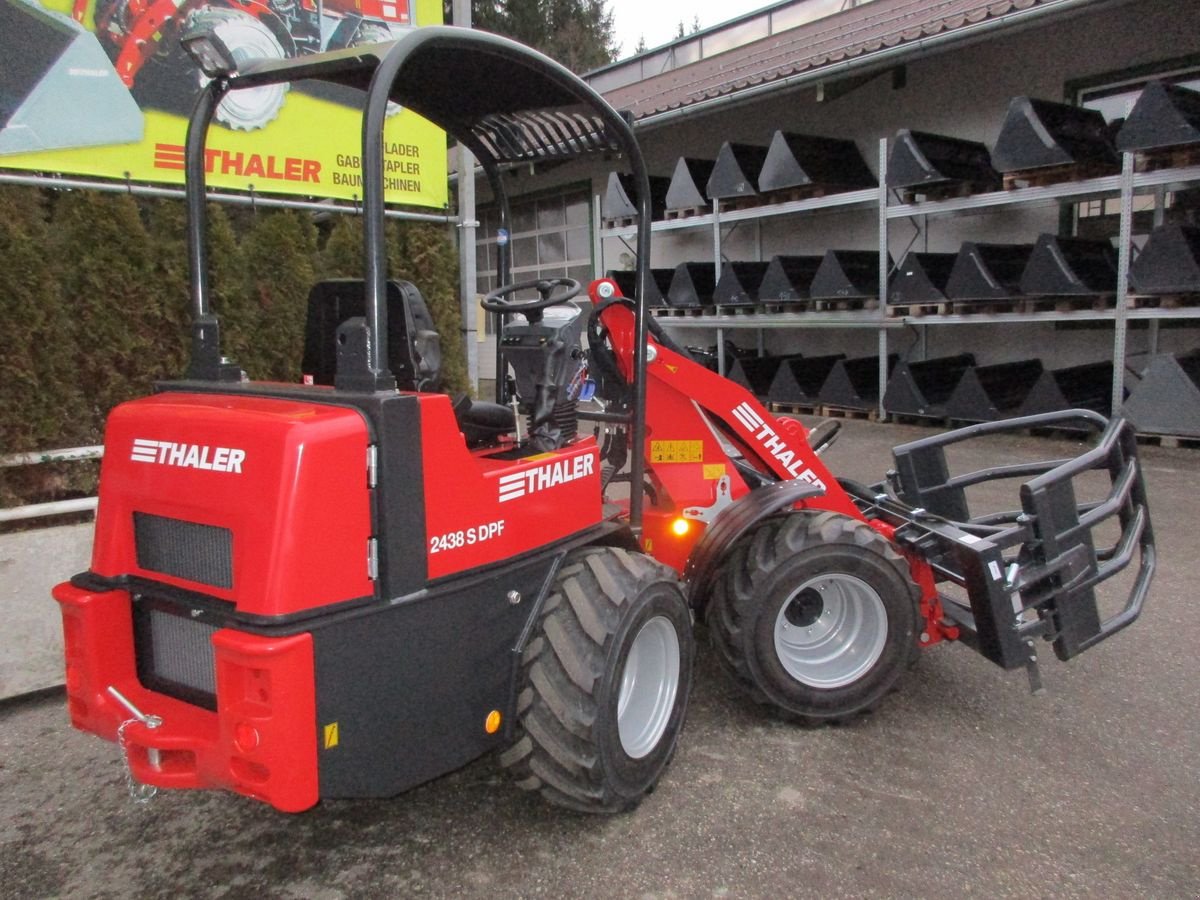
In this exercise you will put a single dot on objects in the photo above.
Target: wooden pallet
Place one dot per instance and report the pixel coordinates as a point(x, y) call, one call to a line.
point(1062, 304)
point(805, 192)
point(914, 310)
point(795, 409)
point(687, 212)
point(1162, 301)
point(1047, 175)
point(1181, 156)
point(981, 307)
point(749, 201)
point(845, 304)
point(740, 309)
point(849, 412)
point(1174, 441)
point(787, 306)
point(925, 421)
point(949, 190)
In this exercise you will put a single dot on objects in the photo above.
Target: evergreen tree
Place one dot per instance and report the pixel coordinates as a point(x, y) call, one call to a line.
point(279, 254)
point(41, 405)
point(166, 225)
point(228, 292)
point(107, 273)
point(577, 33)
point(342, 255)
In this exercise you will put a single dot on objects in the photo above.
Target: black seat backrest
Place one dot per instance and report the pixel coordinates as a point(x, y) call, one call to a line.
point(414, 348)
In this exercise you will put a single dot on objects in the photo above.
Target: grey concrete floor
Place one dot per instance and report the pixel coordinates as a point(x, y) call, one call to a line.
point(960, 784)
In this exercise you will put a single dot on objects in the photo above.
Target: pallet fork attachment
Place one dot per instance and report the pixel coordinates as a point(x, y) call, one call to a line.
point(1029, 573)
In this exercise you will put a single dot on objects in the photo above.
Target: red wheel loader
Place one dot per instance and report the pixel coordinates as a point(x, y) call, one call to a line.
point(349, 587)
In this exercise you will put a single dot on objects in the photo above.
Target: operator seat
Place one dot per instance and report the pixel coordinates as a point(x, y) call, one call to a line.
point(414, 349)
point(413, 345)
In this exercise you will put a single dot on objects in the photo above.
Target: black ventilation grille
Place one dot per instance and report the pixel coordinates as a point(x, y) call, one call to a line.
point(175, 653)
point(200, 553)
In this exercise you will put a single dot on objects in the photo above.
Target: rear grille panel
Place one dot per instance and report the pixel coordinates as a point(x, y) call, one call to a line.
point(188, 550)
point(174, 651)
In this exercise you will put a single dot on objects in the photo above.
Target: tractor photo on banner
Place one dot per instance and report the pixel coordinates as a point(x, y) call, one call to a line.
point(103, 88)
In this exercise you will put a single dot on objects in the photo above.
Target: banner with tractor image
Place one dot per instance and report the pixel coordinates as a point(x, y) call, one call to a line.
point(101, 88)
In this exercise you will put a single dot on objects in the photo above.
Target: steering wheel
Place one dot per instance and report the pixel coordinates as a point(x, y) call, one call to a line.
point(495, 300)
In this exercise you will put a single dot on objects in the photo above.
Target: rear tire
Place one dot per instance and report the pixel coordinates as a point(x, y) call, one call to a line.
point(816, 615)
point(604, 683)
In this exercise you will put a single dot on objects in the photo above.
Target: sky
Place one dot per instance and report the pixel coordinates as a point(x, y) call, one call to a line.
point(658, 21)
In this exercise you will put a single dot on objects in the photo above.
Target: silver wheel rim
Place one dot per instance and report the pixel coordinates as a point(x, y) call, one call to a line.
point(649, 684)
point(830, 631)
point(248, 39)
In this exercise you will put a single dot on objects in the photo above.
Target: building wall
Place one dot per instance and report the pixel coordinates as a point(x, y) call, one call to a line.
point(963, 93)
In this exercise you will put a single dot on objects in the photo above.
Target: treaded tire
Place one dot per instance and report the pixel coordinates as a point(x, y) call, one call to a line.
point(568, 745)
point(753, 596)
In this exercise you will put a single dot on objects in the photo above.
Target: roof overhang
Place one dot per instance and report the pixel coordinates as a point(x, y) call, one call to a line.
point(919, 39)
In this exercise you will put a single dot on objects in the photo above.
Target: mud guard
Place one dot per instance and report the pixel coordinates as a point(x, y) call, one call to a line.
point(734, 521)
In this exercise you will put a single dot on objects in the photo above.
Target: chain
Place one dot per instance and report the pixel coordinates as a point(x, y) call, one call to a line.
point(138, 792)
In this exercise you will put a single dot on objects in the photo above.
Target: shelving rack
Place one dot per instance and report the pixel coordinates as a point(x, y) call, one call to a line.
point(1123, 185)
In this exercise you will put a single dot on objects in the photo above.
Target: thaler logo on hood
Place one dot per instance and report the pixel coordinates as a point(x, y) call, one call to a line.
point(188, 456)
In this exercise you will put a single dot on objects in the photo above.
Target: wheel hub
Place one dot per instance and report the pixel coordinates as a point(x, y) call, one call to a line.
point(804, 609)
point(649, 684)
point(831, 631)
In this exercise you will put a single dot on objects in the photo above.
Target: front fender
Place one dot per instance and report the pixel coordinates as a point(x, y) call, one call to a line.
point(734, 521)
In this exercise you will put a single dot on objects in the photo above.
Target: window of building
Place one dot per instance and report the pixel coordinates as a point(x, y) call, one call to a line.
point(551, 238)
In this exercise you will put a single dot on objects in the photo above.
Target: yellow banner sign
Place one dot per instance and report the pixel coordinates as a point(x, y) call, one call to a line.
point(100, 88)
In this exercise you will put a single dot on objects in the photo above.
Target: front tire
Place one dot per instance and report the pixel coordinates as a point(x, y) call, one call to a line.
point(604, 683)
point(815, 614)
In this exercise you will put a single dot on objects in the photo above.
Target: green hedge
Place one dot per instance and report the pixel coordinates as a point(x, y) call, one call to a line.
point(94, 307)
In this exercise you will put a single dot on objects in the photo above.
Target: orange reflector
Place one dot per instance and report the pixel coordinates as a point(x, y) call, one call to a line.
point(680, 527)
point(492, 724)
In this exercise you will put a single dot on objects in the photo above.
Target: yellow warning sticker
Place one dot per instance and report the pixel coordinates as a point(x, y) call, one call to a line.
point(331, 735)
point(676, 451)
point(714, 472)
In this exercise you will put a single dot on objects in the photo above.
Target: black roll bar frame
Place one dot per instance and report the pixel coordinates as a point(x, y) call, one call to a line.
point(379, 70)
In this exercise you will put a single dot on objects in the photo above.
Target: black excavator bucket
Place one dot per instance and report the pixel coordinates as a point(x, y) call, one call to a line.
point(1060, 266)
point(1165, 115)
point(735, 172)
point(988, 271)
point(1040, 133)
point(788, 278)
point(1169, 263)
point(686, 189)
point(799, 381)
point(989, 393)
point(923, 161)
point(921, 278)
point(923, 388)
point(808, 161)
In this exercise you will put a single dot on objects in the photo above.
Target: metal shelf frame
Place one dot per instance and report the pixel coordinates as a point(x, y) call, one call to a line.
point(1124, 185)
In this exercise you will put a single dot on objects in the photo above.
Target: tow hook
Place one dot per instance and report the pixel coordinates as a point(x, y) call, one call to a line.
point(139, 792)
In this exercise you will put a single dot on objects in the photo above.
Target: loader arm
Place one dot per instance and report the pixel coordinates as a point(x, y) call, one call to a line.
point(709, 443)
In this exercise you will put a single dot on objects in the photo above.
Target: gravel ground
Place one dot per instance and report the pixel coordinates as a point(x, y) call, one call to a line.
point(960, 784)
